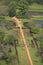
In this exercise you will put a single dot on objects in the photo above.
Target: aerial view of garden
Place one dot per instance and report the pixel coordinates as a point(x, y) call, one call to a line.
point(21, 32)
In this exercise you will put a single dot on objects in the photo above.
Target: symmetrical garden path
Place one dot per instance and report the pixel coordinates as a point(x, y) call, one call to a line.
point(23, 38)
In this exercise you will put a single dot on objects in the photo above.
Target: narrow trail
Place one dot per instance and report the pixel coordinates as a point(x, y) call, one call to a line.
point(24, 41)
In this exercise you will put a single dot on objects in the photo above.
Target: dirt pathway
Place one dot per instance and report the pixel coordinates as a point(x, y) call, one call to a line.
point(23, 38)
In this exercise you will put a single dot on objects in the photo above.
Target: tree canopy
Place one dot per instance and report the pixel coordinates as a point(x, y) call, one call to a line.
point(16, 7)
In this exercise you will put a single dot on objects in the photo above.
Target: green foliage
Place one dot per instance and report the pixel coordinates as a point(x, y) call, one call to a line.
point(22, 6)
point(35, 30)
point(6, 24)
point(27, 24)
point(2, 34)
point(10, 39)
point(2, 18)
point(39, 1)
point(12, 9)
point(14, 5)
point(17, 8)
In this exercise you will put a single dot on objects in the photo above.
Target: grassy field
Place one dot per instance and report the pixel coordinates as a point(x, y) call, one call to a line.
point(33, 51)
point(36, 8)
point(31, 19)
point(23, 57)
point(22, 54)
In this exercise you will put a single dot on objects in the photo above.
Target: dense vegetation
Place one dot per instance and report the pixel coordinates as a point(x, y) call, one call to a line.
point(16, 7)
point(8, 42)
point(9, 35)
point(36, 31)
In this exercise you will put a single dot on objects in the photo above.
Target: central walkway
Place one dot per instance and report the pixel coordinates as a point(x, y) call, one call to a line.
point(24, 41)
